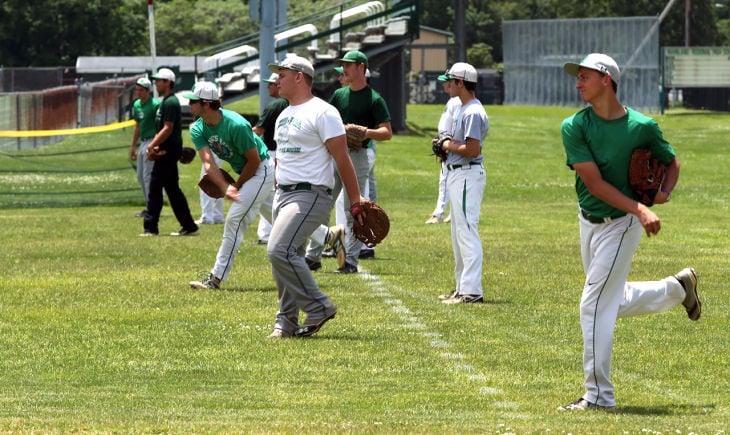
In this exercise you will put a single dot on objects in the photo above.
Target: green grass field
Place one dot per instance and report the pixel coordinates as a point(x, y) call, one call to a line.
point(99, 331)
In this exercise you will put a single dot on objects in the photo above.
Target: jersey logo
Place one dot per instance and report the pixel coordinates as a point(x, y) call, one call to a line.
point(219, 147)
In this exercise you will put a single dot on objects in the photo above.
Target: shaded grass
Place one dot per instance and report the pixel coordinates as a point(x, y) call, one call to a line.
point(101, 333)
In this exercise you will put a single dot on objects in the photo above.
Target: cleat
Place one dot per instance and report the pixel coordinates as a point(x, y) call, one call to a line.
point(184, 232)
point(310, 327)
point(336, 239)
point(464, 299)
point(451, 295)
point(347, 268)
point(583, 405)
point(435, 220)
point(688, 278)
point(313, 265)
point(209, 282)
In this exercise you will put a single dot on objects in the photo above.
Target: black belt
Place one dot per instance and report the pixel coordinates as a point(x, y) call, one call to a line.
point(598, 220)
point(148, 138)
point(465, 166)
point(298, 186)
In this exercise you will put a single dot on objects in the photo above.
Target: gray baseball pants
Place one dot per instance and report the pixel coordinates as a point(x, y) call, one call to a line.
point(297, 212)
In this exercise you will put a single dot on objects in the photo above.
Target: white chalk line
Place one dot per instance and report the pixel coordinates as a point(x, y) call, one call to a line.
point(409, 320)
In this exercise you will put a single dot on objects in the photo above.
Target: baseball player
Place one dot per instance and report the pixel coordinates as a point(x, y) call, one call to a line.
point(465, 184)
point(265, 129)
point(167, 147)
point(358, 104)
point(309, 135)
point(445, 122)
point(143, 112)
point(228, 136)
point(599, 141)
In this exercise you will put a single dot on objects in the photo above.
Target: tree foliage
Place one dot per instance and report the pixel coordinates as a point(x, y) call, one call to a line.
point(55, 32)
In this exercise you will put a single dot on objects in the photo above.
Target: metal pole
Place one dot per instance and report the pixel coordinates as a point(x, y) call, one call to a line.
point(153, 48)
point(687, 21)
point(460, 29)
point(266, 49)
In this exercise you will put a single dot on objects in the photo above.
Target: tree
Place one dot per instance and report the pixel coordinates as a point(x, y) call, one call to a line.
point(56, 32)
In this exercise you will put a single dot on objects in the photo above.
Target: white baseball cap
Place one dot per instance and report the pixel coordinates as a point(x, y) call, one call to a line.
point(272, 78)
point(462, 71)
point(144, 82)
point(203, 91)
point(595, 61)
point(295, 63)
point(164, 74)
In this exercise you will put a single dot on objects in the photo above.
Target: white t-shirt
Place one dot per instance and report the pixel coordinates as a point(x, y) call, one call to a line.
point(471, 121)
point(447, 116)
point(300, 133)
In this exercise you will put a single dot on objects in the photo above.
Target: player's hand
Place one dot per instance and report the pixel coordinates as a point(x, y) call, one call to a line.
point(232, 193)
point(649, 220)
point(357, 211)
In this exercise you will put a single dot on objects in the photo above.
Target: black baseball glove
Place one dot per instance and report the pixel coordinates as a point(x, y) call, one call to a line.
point(187, 156)
point(437, 145)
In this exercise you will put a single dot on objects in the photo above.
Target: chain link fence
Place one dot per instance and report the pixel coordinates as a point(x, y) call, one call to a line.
point(65, 107)
point(535, 51)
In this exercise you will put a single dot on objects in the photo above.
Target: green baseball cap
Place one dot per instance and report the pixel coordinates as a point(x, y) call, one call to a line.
point(354, 56)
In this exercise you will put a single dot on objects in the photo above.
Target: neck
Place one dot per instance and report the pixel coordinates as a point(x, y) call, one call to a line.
point(212, 117)
point(358, 84)
point(300, 98)
point(608, 108)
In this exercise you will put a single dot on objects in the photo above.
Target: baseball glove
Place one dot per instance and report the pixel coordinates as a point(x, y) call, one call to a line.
point(155, 153)
point(355, 136)
point(211, 189)
point(187, 156)
point(437, 145)
point(376, 223)
point(646, 176)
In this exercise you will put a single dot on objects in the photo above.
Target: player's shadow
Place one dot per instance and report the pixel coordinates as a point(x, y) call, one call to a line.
point(669, 409)
point(250, 289)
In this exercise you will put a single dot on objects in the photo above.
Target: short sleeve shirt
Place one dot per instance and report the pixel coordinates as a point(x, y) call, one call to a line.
point(471, 121)
point(610, 143)
point(169, 111)
point(229, 139)
point(363, 107)
point(144, 114)
point(301, 133)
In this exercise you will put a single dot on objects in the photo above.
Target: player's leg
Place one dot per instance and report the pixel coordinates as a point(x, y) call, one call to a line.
point(254, 192)
point(607, 251)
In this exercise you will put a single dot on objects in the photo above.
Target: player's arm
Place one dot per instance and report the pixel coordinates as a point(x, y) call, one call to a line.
point(383, 132)
point(670, 180)
point(606, 192)
point(253, 160)
point(471, 149)
point(162, 136)
point(258, 131)
point(337, 147)
point(135, 139)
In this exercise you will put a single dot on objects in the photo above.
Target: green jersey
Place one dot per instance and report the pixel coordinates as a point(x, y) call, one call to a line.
point(144, 114)
point(590, 138)
point(229, 139)
point(364, 107)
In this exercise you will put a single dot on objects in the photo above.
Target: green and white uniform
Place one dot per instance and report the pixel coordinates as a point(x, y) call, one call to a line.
point(465, 183)
point(144, 115)
point(609, 238)
point(229, 140)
